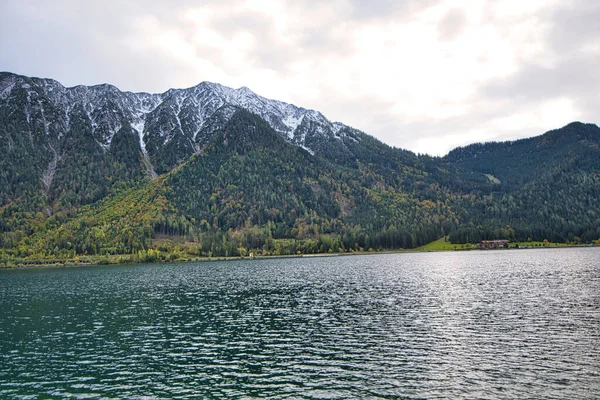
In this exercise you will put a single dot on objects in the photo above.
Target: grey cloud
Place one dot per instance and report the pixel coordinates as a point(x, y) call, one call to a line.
point(382, 9)
point(575, 76)
point(452, 24)
point(237, 21)
point(332, 40)
point(574, 24)
point(269, 53)
point(373, 116)
point(80, 43)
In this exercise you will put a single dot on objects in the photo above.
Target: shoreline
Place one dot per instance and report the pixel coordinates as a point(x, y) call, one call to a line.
point(39, 264)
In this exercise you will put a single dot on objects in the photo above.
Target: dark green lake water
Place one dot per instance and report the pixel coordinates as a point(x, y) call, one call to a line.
point(491, 324)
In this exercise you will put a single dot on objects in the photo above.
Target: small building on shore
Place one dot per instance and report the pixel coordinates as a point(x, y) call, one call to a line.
point(493, 244)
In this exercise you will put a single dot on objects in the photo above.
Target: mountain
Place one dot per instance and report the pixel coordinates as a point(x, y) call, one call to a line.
point(548, 185)
point(176, 121)
point(212, 170)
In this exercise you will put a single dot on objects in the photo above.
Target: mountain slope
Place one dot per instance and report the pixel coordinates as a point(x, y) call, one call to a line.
point(548, 186)
point(39, 118)
point(576, 145)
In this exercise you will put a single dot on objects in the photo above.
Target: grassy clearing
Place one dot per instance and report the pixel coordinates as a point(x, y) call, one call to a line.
point(441, 244)
point(493, 179)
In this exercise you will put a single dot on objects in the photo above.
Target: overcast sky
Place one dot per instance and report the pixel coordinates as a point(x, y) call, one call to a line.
point(423, 75)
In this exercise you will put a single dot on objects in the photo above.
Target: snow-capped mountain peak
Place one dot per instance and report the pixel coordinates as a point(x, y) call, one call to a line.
point(177, 117)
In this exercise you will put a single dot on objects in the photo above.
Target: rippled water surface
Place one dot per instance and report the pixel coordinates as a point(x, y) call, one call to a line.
point(491, 324)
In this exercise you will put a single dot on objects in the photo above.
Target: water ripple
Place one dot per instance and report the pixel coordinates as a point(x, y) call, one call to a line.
point(496, 324)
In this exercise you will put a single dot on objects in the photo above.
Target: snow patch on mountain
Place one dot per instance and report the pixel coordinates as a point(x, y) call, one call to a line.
point(6, 90)
point(176, 111)
point(292, 121)
point(337, 127)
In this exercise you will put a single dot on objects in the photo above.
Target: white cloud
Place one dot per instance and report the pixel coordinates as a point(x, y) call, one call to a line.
point(553, 113)
point(548, 115)
point(441, 144)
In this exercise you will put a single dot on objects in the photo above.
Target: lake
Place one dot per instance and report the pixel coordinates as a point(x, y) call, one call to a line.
point(479, 324)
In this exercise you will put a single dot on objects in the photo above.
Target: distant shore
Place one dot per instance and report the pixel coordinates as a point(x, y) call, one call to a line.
point(116, 260)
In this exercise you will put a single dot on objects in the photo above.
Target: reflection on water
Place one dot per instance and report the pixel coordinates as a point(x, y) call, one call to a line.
point(492, 324)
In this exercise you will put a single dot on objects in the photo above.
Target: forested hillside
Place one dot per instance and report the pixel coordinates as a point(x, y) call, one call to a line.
point(212, 171)
point(548, 186)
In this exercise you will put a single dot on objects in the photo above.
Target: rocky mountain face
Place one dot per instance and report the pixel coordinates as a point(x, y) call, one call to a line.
point(170, 126)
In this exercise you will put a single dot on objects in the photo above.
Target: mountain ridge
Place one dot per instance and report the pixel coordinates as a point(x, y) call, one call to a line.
point(243, 96)
point(229, 94)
